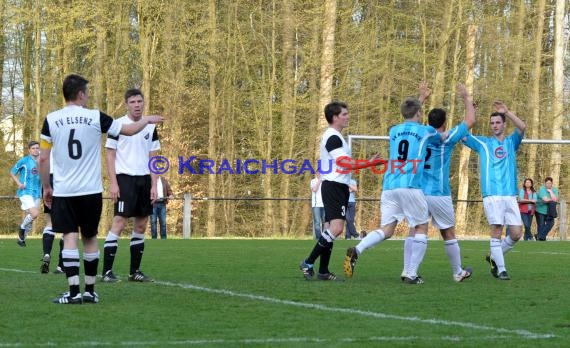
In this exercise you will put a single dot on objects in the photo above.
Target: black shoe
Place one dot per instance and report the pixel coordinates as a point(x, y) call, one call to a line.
point(503, 276)
point(66, 299)
point(350, 262)
point(139, 276)
point(21, 243)
point(44, 268)
point(308, 271)
point(109, 277)
point(494, 269)
point(90, 297)
point(416, 280)
point(327, 276)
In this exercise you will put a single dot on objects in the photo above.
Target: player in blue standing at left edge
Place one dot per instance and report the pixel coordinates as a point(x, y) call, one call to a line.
point(29, 188)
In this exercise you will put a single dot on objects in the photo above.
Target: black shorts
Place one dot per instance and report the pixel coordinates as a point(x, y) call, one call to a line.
point(134, 200)
point(47, 210)
point(77, 214)
point(335, 199)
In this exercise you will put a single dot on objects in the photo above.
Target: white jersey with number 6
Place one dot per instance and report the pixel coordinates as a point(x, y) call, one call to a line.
point(75, 135)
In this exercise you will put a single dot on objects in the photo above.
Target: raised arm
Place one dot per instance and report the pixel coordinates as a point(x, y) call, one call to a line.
point(502, 108)
point(424, 92)
point(469, 117)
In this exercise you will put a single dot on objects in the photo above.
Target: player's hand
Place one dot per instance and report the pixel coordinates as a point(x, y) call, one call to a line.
point(153, 119)
point(21, 186)
point(500, 107)
point(48, 196)
point(462, 90)
point(114, 192)
point(424, 91)
point(153, 195)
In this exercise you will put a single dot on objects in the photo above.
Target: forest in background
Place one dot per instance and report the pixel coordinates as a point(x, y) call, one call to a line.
point(249, 79)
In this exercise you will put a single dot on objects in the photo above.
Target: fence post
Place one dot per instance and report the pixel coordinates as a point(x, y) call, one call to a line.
point(562, 221)
point(187, 218)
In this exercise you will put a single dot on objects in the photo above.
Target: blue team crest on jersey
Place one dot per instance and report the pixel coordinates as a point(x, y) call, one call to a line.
point(146, 136)
point(500, 152)
point(35, 171)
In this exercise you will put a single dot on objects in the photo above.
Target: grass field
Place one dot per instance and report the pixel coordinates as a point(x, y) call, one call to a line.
point(250, 293)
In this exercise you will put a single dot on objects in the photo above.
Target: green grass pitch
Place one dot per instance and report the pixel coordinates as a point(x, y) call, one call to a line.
point(250, 293)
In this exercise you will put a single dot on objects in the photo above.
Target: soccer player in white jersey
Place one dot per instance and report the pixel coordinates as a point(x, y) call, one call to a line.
point(435, 184)
point(133, 187)
point(498, 178)
point(73, 134)
point(402, 197)
point(336, 165)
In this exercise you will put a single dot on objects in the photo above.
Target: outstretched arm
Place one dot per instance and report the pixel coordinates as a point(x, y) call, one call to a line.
point(424, 92)
point(502, 108)
point(469, 117)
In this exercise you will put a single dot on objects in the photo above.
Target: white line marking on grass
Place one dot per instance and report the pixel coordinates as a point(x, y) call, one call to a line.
point(523, 333)
point(257, 341)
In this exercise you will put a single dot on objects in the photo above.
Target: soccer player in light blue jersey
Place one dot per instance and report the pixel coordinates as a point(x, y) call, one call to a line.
point(435, 184)
point(26, 174)
point(402, 197)
point(498, 178)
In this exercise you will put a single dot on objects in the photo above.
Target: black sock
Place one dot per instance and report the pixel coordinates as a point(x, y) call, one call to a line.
point(47, 242)
point(60, 263)
point(137, 249)
point(108, 257)
point(325, 258)
point(320, 245)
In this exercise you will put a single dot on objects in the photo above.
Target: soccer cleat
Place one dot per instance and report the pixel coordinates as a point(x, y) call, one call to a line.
point(58, 270)
point(494, 269)
point(307, 269)
point(66, 299)
point(139, 276)
point(464, 274)
point(403, 276)
point(416, 280)
point(350, 261)
point(21, 243)
point(327, 276)
point(503, 276)
point(44, 268)
point(90, 297)
point(109, 277)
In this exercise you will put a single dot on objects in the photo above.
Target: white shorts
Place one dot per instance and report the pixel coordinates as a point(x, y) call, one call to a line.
point(29, 202)
point(502, 210)
point(441, 211)
point(403, 203)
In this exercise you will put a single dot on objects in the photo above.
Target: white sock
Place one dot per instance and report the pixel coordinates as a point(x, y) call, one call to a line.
point(419, 247)
point(27, 223)
point(454, 255)
point(507, 244)
point(370, 240)
point(408, 242)
point(497, 254)
point(328, 236)
point(48, 230)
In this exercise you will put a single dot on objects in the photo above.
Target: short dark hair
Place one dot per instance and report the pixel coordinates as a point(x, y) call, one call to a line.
point(72, 85)
point(437, 117)
point(334, 109)
point(132, 92)
point(32, 143)
point(410, 107)
point(548, 178)
point(498, 114)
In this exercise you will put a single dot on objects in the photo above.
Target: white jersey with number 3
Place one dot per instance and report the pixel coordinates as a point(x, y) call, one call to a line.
point(75, 135)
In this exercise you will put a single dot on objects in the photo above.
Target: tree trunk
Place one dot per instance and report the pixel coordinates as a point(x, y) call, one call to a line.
point(534, 102)
point(327, 61)
point(463, 189)
point(443, 47)
point(213, 112)
point(558, 102)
